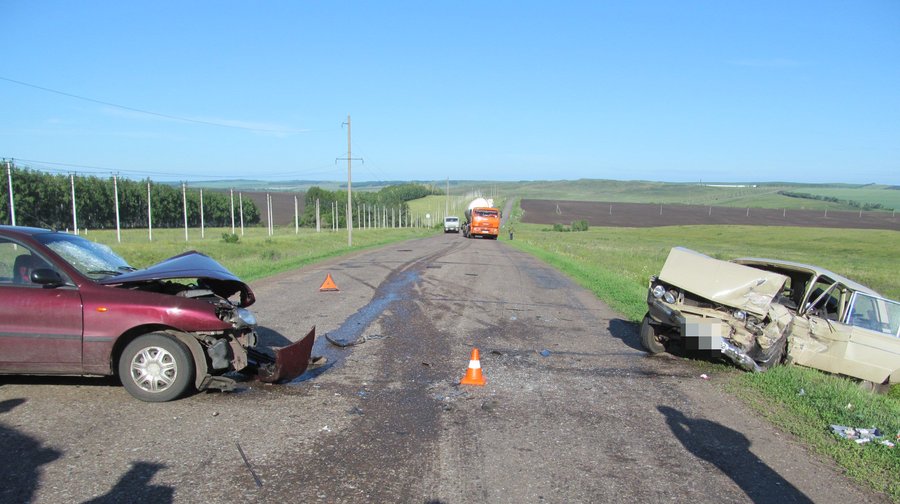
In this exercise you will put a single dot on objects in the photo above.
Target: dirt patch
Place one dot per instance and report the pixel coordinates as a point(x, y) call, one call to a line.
point(653, 215)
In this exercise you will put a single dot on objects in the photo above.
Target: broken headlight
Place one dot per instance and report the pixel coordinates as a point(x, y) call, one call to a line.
point(243, 318)
point(740, 314)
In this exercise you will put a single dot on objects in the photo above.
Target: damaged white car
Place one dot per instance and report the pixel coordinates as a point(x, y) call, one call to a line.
point(760, 312)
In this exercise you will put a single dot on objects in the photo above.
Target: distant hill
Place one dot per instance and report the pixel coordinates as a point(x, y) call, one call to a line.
point(733, 194)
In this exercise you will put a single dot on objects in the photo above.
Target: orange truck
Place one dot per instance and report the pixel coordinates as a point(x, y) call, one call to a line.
point(482, 219)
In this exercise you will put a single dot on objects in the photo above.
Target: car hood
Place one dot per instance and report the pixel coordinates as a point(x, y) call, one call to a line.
point(723, 282)
point(193, 264)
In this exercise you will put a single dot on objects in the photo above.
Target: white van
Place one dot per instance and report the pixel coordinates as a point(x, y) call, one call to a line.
point(451, 224)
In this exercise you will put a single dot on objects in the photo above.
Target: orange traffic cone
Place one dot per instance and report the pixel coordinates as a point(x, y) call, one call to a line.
point(473, 374)
point(328, 284)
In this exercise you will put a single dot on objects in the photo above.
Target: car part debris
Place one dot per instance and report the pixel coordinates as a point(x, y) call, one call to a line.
point(289, 362)
point(344, 344)
point(861, 435)
point(247, 463)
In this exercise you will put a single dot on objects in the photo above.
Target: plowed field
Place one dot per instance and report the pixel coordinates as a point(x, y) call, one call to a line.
point(652, 215)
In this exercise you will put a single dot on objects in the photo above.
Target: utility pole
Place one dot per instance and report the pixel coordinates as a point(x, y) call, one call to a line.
point(349, 159)
point(184, 206)
point(241, 203)
point(116, 191)
point(12, 206)
point(74, 215)
point(202, 222)
point(149, 214)
point(232, 210)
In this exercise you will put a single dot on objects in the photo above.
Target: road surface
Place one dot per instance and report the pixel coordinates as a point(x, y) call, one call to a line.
point(573, 410)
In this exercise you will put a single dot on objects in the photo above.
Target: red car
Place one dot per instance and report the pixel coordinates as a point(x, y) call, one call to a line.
point(72, 306)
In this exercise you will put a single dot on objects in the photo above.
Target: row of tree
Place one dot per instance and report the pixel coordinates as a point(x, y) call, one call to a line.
point(819, 197)
point(45, 200)
point(391, 199)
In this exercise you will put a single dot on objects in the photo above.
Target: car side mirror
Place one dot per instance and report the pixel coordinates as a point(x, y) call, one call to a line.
point(47, 277)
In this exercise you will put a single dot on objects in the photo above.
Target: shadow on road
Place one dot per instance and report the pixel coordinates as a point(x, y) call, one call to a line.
point(626, 331)
point(136, 482)
point(23, 457)
point(729, 451)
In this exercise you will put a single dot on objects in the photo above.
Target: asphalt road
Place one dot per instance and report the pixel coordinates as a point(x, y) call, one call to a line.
point(573, 410)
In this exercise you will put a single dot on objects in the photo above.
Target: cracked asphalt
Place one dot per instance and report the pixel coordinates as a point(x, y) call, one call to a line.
point(573, 410)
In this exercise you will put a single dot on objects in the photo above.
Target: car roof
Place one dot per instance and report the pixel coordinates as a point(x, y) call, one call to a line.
point(809, 268)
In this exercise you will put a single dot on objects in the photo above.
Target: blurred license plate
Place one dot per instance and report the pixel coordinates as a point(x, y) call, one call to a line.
point(703, 334)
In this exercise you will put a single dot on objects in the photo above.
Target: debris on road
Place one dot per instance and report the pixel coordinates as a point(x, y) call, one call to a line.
point(704, 376)
point(343, 344)
point(249, 468)
point(545, 353)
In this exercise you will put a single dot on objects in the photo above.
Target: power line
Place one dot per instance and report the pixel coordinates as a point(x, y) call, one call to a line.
point(141, 111)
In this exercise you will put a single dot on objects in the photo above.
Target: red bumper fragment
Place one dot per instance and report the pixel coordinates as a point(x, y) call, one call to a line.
point(290, 361)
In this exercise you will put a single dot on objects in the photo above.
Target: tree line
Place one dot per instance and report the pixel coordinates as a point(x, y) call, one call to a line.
point(832, 199)
point(45, 200)
point(390, 199)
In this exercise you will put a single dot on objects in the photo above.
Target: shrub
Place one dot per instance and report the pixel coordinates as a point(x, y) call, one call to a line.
point(230, 238)
point(580, 225)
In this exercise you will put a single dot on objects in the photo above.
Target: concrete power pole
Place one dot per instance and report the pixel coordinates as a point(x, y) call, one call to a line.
point(74, 214)
point(12, 205)
point(349, 159)
point(116, 192)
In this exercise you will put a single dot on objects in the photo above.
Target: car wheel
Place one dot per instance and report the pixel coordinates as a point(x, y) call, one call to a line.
point(650, 337)
point(875, 388)
point(156, 367)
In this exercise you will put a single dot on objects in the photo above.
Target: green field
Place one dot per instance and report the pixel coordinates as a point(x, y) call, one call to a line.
point(616, 263)
point(734, 195)
point(255, 255)
point(883, 195)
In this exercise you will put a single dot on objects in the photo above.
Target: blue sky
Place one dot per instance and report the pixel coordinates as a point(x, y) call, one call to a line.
point(650, 90)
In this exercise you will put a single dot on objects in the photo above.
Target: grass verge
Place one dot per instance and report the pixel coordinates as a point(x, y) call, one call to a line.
point(255, 255)
point(615, 264)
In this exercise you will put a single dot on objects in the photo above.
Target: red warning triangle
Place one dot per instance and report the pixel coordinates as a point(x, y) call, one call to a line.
point(328, 284)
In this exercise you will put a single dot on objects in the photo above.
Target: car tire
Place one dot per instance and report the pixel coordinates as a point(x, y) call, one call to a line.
point(650, 337)
point(875, 388)
point(156, 367)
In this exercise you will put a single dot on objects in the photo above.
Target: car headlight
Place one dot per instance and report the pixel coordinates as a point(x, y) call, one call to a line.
point(670, 297)
point(740, 314)
point(658, 291)
point(246, 317)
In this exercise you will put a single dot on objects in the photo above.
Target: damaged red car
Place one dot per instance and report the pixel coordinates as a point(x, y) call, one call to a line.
point(70, 306)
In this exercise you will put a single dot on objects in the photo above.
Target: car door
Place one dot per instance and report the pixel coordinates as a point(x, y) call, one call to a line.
point(40, 326)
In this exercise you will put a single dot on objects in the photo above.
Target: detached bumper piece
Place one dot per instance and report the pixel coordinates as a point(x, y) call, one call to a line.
point(289, 362)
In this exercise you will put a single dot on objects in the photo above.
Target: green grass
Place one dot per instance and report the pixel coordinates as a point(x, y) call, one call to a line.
point(806, 403)
point(616, 263)
point(256, 255)
point(889, 198)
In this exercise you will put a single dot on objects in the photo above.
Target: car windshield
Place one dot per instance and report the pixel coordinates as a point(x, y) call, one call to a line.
point(92, 259)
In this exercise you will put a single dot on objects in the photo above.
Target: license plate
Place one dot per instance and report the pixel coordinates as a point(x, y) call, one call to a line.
point(703, 334)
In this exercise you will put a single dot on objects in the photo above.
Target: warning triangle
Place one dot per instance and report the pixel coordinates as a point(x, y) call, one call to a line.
point(328, 284)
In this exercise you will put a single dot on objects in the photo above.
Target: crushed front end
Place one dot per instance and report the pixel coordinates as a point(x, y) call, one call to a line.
point(716, 308)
